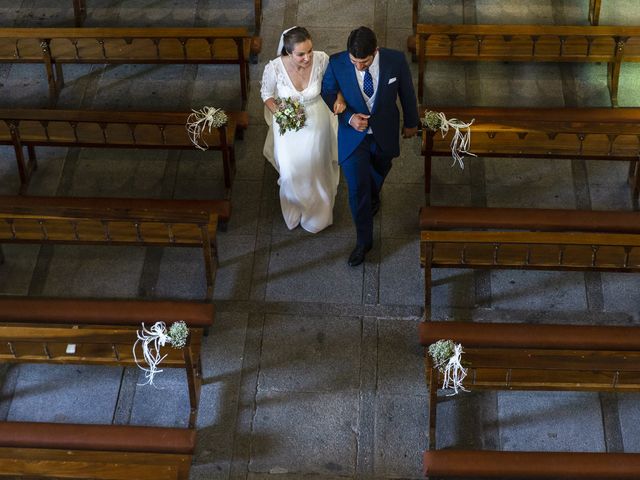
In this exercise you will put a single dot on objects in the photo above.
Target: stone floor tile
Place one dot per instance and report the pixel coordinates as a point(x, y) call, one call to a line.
point(538, 13)
point(550, 421)
point(165, 403)
point(401, 278)
point(249, 159)
point(28, 85)
point(444, 84)
point(17, 270)
point(453, 195)
point(608, 197)
point(619, 290)
point(590, 84)
point(448, 12)
point(534, 290)
point(118, 173)
point(50, 165)
point(310, 354)
point(148, 13)
point(629, 411)
point(329, 37)
point(305, 433)
point(401, 428)
point(468, 420)
point(306, 270)
point(445, 172)
point(88, 271)
point(341, 14)
point(65, 394)
point(400, 204)
point(400, 358)
point(452, 287)
point(409, 166)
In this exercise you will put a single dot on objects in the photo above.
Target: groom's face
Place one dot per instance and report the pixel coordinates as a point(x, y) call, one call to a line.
point(363, 63)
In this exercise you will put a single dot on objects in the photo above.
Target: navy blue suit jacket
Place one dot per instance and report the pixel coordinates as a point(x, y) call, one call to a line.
point(394, 81)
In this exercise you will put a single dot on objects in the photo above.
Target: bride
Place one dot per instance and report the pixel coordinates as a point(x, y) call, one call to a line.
point(307, 159)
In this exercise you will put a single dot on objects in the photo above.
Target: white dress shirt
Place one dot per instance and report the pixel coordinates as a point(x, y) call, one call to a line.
point(374, 70)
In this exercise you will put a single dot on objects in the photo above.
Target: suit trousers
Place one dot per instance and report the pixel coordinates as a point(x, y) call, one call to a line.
point(365, 170)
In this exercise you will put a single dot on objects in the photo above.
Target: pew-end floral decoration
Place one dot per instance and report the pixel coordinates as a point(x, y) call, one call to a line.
point(461, 141)
point(290, 115)
point(151, 341)
point(447, 358)
point(203, 120)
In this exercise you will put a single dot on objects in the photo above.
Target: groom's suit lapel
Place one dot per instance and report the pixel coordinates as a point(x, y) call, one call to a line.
point(352, 82)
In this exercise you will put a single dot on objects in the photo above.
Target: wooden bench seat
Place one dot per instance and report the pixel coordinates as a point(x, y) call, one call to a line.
point(103, 332)
point(108, 221)
point(102, 452)
point(571, 133)
point(535, 219)
point(612, 45)
point(510, 356)
point(539, 465)
point(56, 46)
point(111, 129)
point(588, 240)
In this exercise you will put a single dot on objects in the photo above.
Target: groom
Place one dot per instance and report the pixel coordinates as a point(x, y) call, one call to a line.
point(370, 79)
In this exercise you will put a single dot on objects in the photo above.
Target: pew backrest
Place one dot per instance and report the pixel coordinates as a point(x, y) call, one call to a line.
point(140, 222)
point(587, 133)
point(100, 332)
point(56, 46)
point(528, 43)
point(101, 452)
point(111, 129)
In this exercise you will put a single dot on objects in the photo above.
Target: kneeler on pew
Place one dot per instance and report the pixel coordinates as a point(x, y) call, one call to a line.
point(102, 332)
point(514, 356)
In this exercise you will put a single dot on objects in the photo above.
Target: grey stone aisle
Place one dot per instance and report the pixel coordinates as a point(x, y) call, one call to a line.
point(313, 367)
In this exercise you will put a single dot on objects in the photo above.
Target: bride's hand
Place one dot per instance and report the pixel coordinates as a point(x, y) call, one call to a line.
point(339, 105)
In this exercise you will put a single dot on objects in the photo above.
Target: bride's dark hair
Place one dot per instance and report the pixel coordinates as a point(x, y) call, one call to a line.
point(292, 37)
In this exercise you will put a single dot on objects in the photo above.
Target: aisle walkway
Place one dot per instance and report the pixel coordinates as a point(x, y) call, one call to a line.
point(313, 367)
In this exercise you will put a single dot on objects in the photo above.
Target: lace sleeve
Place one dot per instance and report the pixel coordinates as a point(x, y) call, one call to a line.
point(324, 62)
point(268, 84)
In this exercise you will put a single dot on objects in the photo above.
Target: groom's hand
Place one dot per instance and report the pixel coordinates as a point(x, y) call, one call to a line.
point(409, 132)
point(360, 122)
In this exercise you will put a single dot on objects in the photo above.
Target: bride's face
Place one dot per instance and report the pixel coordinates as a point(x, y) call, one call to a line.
point(302, 53)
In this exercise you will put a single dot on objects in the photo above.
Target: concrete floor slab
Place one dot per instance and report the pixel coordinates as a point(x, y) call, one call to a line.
point(65, 394)
point(310, 354)
point(550, 421)
point(529, 290)
point(400, 436)
point(87, 271)
point(401, 278)
point(298, 270)
point(322, 425)
point(400, 358)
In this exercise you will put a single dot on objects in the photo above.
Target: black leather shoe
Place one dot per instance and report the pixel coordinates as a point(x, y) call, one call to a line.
point(375, 207)
point(357, 256)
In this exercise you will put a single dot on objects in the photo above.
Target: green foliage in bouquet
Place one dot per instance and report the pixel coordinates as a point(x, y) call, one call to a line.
point(441, 351)
point(290, 115)
point(178, 334)
point(432, 120)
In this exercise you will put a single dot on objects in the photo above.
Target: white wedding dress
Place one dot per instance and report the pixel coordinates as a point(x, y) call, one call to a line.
point(307, 160)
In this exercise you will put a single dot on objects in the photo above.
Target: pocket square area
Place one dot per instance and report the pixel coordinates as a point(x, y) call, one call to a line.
point(391, 80)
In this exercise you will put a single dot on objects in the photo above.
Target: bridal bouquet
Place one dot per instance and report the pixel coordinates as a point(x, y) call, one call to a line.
point(290, 115)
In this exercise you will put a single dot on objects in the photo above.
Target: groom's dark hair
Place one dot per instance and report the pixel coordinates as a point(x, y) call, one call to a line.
point(362, 42)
